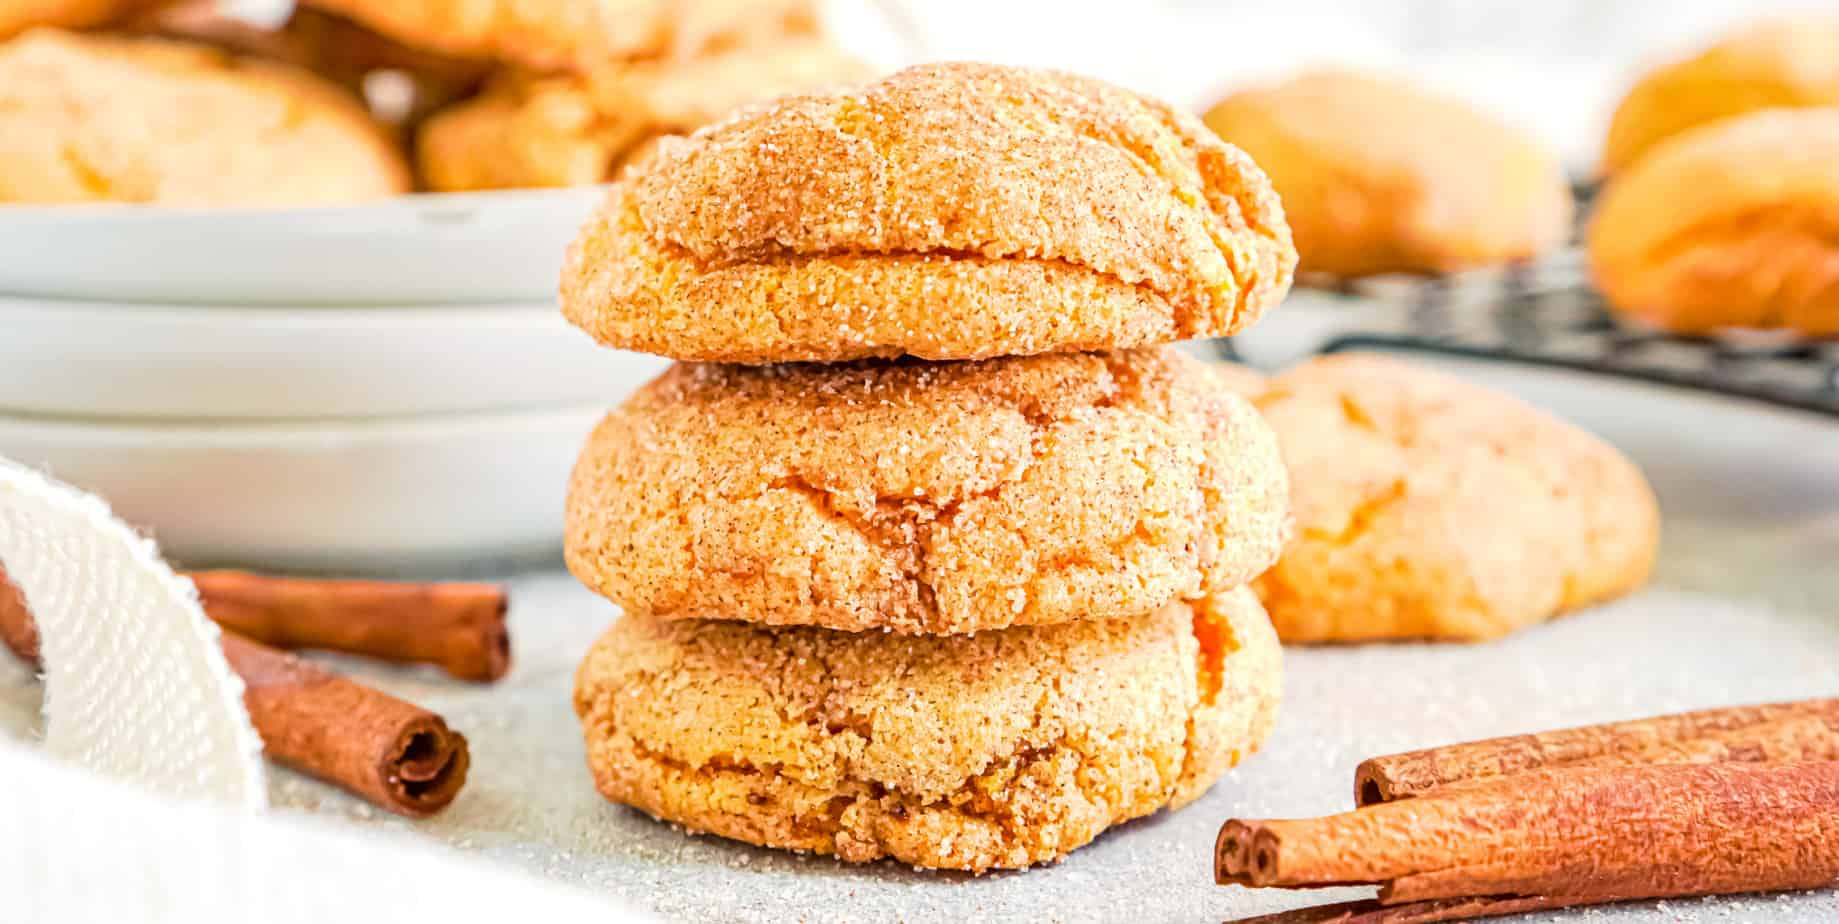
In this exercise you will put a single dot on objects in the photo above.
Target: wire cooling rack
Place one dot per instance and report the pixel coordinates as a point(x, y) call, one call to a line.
point(1546, 313)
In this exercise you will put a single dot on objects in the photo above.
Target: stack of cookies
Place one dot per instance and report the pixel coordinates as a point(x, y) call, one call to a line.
point(929, 547)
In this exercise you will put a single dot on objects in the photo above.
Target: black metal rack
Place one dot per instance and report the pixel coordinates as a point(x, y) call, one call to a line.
point(1546, 314)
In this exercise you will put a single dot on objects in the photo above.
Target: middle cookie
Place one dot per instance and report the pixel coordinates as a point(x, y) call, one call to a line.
point(928, 497)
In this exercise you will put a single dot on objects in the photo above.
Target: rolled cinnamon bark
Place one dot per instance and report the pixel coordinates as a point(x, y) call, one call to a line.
point(458, 627)
point(393, 753)
point(1770, 733)
point(1431, 912)
point(1598, 834)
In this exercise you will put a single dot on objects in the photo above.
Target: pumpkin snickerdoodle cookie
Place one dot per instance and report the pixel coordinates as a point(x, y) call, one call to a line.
point(577, 34)
point(1378, 176)
point(1787, 63)
point(17, 16)
point(93, 118)
point(566, 130)
point(924, 497)
point(1731, 225)
point(1431, 508)
point(997, 750)
point(950, 211)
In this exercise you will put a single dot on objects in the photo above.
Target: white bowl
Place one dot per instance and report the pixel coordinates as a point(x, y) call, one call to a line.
point(503, 246)
point(100, 360)
point(360, 497)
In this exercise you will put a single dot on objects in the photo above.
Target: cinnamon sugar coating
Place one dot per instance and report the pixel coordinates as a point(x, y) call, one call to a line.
point(1378, 176)
point(1427, 507)
point(927, 497)
point(1731, 225)
point(997, 750)
point(575, 129)
point(950, 211)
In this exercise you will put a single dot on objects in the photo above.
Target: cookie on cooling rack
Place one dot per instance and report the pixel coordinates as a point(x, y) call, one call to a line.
point(91, 118)
point(950, 211)
point(996, 750)
point(1727, 226)
point(927, 497)
point(1786, 63)
point(1378, 176)
point(1427, 507)
point(568, 130)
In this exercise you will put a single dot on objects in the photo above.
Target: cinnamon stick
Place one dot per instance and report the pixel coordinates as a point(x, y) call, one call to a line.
point(1770, 733)
point(457, 627)
point(1573, 834)
point(1430, 912)
point(395, 754)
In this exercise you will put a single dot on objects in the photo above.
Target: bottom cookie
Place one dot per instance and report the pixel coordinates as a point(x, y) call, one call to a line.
point(1001, 749)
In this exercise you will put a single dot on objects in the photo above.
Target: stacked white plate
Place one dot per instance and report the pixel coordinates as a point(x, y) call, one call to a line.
point(365, 388)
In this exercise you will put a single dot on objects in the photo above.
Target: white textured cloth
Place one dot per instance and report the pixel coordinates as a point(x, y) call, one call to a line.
point(136, 686)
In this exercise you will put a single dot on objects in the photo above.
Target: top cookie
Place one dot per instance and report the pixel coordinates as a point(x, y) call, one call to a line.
point(950, 211)
point(577, 34)
point(1379, 176)
point(1792, 63)
point(87, 118)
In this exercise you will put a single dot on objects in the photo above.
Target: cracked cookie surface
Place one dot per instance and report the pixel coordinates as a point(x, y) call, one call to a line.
point(927, 497)
point(568, 130)
point(952, 211)
point(1378, 176)
point(1427, 507)
point(1732, 225)
point(90, 118)
point(997, 750)
point(551, 35)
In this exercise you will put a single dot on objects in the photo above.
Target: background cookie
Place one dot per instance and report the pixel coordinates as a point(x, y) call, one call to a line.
point(583, 34)
point(1378, 176)
point(570, 130)
point(1727, 225)
point(1428, 507)
point(17, 16)
point(944, 212)
point(1002, 749)
point(91, 118)
point(1790, 63)
point(927, 497)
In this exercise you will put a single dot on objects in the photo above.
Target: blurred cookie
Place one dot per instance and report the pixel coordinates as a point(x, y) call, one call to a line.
point(547, 35)
point(1378, 176)
point(1241, 380)
point(1728, 225)
point(927, 497)
point(996, 750)
point(88, 118)
point(1792, 63)
point(952, 211)
point(17, 16)
point(570, 130)
point(1430, 508)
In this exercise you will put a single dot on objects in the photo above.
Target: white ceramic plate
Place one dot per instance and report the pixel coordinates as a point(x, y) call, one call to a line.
point(501, 246)
point(360, 497)
point(97, 360)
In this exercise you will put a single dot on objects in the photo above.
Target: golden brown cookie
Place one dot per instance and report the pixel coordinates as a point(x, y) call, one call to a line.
point(17, 16)
point(1378, 176)
point(1791, 63)
point(1001, 749)
point(578, 34)
point(951, 211)
point(927, 497)
point(571, 130)
point(1734, 224)
point(90, 118)
point(1430, 508)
